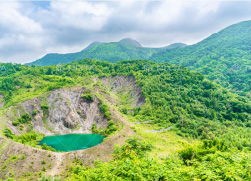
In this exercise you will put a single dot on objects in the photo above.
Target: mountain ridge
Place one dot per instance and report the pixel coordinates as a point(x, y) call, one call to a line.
point(126, 48)
point(223, 56)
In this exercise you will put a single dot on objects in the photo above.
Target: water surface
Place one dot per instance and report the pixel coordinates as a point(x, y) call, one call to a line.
point(72, 142)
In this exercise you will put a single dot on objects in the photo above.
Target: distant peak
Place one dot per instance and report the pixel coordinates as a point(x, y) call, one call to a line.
point(93, 44)
point(175, 45)
point(130, 41)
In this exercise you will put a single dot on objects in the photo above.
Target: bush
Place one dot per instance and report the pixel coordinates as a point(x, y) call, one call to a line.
point(105, 109)
point(45, 107)
point(34, 112)
point(134, 146)
point(27, 137)
point(111, 128)
point(15, 123)
point(8, 133)
point(25, 118)
point(89, 97)
point(108, 115)
point(94, 128)
point(49, 148)
point(187, 154)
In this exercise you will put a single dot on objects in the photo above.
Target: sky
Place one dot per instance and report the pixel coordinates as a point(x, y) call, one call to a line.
point(31, 29)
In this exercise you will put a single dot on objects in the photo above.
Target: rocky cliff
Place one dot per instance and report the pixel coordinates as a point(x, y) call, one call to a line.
point(61, 111)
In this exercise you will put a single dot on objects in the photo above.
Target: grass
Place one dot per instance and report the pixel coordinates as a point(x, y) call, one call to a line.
point(166, 142)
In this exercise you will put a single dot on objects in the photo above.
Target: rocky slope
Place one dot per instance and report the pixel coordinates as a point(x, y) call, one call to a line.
point(67, 112)
point(125, 86)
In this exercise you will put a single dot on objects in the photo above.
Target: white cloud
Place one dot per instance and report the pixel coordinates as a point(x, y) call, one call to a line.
point(11, 20)
point(29, 30)
point(80, 14)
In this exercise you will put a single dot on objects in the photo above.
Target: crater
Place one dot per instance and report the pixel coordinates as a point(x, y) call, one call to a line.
point(61, 111)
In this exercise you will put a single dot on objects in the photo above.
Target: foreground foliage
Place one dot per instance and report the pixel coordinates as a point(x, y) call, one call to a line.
point(196, 107)
point(133, 161)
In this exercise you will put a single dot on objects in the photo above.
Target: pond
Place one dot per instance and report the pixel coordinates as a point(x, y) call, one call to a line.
point(72, 142)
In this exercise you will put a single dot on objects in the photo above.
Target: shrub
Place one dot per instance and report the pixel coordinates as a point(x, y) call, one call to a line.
point(34, 112)
point(89, 97)
point(15, 123)
point(105, 109)
point(45, 107)
point(8, 133)
point(49, 148)
point(108, 115)
point(25, 118)
point(94, 128)
point(111, 128)
point(133, 146)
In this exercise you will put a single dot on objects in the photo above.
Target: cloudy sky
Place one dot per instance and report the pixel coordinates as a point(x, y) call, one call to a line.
point(30, 29)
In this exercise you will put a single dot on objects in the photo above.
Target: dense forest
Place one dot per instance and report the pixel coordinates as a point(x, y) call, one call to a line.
point(196, 107)
point(113, 52)
point(224, 57)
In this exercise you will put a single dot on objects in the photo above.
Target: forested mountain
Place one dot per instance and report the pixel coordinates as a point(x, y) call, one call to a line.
point(112, 52)
point(199, 93)
point(195, 107)
point(224, 56)
point(175, 45)
point(174, 92)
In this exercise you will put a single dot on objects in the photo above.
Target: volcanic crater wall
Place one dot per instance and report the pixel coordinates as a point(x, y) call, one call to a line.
point(67, 112)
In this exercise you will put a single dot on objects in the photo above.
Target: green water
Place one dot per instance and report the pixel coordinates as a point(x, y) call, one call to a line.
point(72, 142)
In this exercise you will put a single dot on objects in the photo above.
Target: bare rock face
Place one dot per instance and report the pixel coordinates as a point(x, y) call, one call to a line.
point(64, 111)
point(67, 112)
point(125, 85)
point(1, 100)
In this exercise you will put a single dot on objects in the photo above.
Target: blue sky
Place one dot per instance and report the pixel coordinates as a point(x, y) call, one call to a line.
point(29, 29)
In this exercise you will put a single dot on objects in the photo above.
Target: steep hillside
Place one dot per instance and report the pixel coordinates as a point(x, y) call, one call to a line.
point(224, 56)
point(174, 95)
point(204, 121)
point(61, 111)
point(175, 45)
point(112, 52)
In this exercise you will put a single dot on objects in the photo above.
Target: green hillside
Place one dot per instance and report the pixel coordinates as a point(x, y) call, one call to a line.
point(112, 52)
point(224, 56)
point(194, 107)
point(173, 93)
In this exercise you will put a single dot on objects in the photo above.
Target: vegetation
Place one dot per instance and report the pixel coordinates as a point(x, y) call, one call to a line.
point(49, 148)
point(176, 96)
point(30, 139)
point(25, 118)
point(224, 57)
point(105, 109)
point(112, 52)
point(111, 128)
point(133, 161)
point(89, 97)
point(195, 107)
